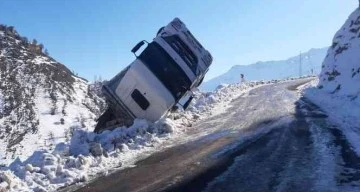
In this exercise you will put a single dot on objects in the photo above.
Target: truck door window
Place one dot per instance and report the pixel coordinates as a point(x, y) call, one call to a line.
point(140, 99)
point(163, 66)
point(183, 51)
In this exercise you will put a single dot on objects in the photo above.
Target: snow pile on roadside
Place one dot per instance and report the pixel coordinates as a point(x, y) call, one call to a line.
point(337, 91)
point(222, 95)
point(342, 110)
point(341, 68)
point(86, 155)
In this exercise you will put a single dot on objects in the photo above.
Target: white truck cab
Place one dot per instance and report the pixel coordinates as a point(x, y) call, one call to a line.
point(163, 73)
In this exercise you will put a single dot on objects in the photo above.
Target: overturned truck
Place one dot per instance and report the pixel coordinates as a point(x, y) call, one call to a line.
point(165, 71)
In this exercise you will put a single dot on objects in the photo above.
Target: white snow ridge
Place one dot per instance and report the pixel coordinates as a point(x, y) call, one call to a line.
point(341, 68)
point(338, 89)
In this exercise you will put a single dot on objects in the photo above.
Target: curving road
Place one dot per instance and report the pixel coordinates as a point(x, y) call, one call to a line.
point(270, 139)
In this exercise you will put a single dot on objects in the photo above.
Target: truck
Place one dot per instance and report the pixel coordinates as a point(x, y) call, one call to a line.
point(166, 71)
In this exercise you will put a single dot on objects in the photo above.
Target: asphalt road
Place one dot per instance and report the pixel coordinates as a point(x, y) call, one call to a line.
point(270, 139)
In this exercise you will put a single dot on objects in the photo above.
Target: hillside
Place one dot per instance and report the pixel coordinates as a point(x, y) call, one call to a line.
point(341, 68)
point(271, 69)
point(337, 90)
point(41, 100)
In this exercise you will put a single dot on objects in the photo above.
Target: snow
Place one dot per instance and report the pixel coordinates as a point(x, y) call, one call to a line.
point(41, 60)
point(77, 160)
point(337, 91)
point(342, 110)
point(51, 130)
point(341, 68)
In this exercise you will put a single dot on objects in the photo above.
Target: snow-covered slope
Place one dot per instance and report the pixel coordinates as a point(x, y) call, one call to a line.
point(40, 99)
point(271, 69)
point(341, 68)
point(337, 91)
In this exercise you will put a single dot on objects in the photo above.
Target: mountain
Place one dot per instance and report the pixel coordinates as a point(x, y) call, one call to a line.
point(41, 100)
point(341, 68)
point(271, 69)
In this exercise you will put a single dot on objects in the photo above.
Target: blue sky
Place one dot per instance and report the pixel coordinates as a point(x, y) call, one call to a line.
point(95, 37)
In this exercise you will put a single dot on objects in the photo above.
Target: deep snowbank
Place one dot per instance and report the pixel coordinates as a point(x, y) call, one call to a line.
point(338, 90)
point(342, 110)
point(84, 156)
point(341, 68)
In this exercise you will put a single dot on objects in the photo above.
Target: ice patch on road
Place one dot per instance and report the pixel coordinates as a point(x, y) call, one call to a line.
point(325, 156)
point(254, 135)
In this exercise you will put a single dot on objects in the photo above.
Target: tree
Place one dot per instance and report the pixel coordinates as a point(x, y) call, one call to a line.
point(41, 47)
point(51, 139)
point(34, 42)
point(51, 135)
point(25, 41)
point(11, 29)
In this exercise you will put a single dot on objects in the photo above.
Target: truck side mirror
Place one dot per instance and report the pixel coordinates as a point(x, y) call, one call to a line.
point(137, 47)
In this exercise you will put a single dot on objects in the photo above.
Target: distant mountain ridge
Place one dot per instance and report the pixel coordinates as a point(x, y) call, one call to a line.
point(311, 60)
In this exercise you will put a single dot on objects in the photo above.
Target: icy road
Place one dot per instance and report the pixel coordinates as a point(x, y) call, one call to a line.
point(270, 139)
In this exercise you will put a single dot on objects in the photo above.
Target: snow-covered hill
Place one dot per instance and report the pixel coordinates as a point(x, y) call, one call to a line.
point(337, 91)
point(40, 99)
point(341, 68)
point(271, 69)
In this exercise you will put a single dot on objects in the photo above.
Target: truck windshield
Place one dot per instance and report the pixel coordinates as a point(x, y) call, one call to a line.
point(166, 70)
point(183, 51)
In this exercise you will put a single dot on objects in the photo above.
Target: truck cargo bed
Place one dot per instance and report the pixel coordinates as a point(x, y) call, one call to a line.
point(117, 114)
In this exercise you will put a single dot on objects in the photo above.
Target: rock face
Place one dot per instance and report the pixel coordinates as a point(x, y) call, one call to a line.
point(341, 68)
point(41, 100)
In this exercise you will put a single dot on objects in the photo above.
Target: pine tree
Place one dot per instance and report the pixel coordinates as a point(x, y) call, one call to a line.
point(41, 47)
point(34, 42)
